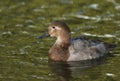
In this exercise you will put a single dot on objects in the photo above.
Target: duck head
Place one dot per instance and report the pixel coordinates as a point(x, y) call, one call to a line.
point(60, 30)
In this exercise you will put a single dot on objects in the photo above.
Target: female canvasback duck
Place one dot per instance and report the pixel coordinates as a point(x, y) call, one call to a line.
point(67, 49)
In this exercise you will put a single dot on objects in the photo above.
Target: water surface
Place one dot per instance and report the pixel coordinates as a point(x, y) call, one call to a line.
point(23, 57)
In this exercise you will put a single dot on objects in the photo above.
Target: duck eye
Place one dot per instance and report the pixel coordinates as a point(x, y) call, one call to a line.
point(53, 27)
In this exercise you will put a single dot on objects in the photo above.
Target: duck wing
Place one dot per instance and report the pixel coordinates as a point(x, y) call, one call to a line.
point(83, 48)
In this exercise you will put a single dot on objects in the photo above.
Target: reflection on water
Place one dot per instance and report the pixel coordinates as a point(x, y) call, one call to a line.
point(65, 71)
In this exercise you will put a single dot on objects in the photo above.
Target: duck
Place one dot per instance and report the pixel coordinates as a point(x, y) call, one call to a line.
point(73, 49)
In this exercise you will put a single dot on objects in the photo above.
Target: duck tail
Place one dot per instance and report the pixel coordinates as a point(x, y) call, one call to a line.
point(110, 46)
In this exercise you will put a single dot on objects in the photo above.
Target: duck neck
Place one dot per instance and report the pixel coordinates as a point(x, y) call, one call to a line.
point(63, 41)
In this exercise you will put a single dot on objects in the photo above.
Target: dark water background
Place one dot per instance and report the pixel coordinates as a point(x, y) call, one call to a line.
point(23, 57)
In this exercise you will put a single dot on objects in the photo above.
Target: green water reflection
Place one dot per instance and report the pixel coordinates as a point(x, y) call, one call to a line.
point(23, 57)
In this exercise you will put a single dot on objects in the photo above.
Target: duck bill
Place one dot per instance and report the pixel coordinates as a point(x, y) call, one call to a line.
point(46, 34)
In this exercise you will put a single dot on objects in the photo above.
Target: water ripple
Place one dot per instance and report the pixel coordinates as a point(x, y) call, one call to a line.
point(104, 36)
point(93, 6)
point(66, 1)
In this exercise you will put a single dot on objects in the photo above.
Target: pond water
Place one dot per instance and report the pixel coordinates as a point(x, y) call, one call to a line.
point(23, 57)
